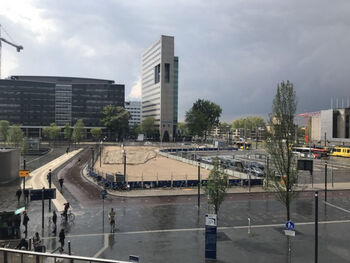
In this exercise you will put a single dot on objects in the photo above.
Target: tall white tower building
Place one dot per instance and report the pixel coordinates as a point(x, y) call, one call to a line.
point(160, 85)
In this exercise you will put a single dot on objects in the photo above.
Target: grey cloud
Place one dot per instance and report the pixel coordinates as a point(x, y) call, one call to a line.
point(231, 52)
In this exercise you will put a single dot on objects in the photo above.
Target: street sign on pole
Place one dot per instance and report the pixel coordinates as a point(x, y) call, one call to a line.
point(104, 194)
point(36, 194)
point(290, 225)
point(23, 173)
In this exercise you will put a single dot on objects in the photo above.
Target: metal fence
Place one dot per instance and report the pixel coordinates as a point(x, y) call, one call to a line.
point(23, 256)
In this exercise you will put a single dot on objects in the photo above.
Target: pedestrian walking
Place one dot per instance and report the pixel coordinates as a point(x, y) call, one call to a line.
point(18, 194)
point(26, 195)
point(54, 220)
point(62, 236)
point(60, 181)
point(25, 223)
point(111, 217)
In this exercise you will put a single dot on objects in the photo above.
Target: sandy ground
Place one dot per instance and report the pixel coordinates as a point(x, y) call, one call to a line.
point(146, 163)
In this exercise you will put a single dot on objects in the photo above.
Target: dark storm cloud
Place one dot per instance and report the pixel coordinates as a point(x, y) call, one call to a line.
point(231, 52)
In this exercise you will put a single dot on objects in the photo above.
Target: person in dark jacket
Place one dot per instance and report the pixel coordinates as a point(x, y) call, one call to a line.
point(18, 194)
point(62, 236)
point(54, 220)
point(23, 244)
point(25, 223)
point(26, 195)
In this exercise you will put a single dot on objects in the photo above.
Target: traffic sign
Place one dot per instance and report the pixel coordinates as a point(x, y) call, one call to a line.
point(290, 233)
point(23, 173)
point(211, 220)
point(290, 225)
point(104, 194)
point(36, 194)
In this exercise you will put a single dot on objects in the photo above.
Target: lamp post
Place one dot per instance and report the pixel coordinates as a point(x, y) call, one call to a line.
point(199, 183)
point(101, 142)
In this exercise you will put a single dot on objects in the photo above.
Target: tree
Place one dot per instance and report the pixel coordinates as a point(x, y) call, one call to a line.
point(148, 127)
point(182, 129)
point(15, 136)
point(216, 186)
point(202, 117)
point(78, 131)
point(279, 144)
point(96, 133)
point(4, 129)
point(116, 119)
point(52, 132)
point(67, 132)
point(24, 149)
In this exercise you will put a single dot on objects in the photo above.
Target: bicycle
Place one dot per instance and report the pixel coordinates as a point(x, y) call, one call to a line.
point(69, 219)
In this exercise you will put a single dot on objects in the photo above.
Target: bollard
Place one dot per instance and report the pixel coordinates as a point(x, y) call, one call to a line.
point(69, 248)
point(249, 226)
point(30, 244)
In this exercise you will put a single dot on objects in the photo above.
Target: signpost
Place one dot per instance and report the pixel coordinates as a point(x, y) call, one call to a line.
point(210, 236)
point(103, 195)
point(289, 229)
point(42, 194)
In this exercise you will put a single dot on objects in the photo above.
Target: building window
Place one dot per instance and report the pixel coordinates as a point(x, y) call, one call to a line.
point(167, 73)
point(157, 73)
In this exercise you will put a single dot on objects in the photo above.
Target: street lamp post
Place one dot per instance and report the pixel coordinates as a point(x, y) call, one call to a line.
point(199, 184)
point(325, 181)
point(101, 153)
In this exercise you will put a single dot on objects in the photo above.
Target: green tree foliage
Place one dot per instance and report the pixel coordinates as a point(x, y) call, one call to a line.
point(216, 186)
point(250, 122)
point(182, 129)
point(202, 117)
point(279, 145)
point(67, 132)
point(78, 131)
point(148, 127)
point(116, 119)
point(4, 129)
point(24, 149)
point(96, 133)
point(15, 136)
point(52, 132)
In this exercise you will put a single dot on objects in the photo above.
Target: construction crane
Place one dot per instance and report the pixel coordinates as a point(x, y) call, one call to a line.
point(18, 47)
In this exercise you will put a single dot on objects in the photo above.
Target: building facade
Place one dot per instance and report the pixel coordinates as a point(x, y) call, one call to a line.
point(160, 70)
point(34, 102)
point(332, 125)
point(134, 107)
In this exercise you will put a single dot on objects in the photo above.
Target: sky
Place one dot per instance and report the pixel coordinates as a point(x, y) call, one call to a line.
point(233, 52)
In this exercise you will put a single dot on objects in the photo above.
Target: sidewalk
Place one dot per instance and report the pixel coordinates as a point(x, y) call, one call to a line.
point(38, 180)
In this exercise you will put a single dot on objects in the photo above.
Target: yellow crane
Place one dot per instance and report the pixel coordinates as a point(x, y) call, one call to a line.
point(18, 47)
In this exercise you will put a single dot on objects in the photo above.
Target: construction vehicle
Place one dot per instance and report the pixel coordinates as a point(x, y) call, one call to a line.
point(18, 47)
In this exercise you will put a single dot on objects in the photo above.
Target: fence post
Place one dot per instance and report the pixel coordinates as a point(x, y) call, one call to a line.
point(142, 179)
point(171, 180)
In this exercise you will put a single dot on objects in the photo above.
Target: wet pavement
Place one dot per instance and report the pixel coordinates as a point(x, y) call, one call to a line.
point(170, 229)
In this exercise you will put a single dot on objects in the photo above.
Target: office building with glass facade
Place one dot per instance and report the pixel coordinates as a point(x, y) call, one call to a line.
point(34, 102)
point(160, 85)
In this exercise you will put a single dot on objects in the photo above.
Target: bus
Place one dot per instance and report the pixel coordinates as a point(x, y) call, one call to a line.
point(320, 153)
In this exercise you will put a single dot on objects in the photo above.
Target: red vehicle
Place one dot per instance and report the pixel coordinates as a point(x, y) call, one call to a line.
point(320, 153)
